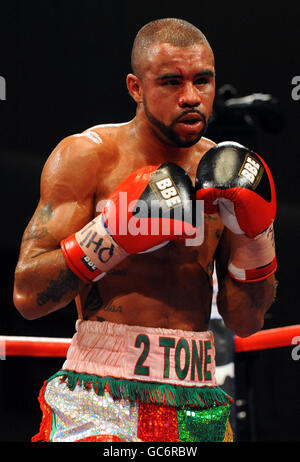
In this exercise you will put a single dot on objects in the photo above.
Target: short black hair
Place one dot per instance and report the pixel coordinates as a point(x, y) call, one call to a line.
point(176, 32)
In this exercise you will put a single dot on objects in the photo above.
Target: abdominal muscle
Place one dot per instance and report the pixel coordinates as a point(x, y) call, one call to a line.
point(165, 288)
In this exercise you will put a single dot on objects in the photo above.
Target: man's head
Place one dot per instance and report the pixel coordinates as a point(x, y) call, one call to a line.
point(176, 32)
point(173, 79)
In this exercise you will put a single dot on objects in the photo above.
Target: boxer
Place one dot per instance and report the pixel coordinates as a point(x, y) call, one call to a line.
point(141, 363)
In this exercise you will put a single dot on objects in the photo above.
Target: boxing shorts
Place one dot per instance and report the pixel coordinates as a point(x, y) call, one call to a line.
point(135, 384)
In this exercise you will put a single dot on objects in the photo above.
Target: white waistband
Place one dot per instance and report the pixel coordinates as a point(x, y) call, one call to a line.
point(170, 356)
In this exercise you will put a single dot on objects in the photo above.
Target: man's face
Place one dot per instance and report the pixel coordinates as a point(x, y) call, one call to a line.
point(178, 92)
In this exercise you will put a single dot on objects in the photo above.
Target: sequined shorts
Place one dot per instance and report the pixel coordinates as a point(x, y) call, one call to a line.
point(135, 384)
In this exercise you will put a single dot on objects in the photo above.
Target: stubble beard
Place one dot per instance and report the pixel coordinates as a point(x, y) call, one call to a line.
point(169, 132)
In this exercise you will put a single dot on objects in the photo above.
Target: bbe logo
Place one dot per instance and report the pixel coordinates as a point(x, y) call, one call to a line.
point(88, 263)
point(251, 170)
point(166, 191)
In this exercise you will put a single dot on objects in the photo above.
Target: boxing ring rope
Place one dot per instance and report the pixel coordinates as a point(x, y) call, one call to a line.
point(267, 339)
point(58, 347)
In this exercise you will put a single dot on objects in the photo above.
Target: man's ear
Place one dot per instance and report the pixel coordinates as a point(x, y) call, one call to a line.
point(135, 88)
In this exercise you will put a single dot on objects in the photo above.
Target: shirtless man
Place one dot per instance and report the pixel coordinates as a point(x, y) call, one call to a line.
point(142, 355)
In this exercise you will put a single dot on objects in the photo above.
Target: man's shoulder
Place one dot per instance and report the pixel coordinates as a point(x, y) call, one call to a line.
point(77, 157)
point(207, 144)
point(95, 138)
point(95, 143)
point(107, 136)
point(106, 130)
point(201, 148)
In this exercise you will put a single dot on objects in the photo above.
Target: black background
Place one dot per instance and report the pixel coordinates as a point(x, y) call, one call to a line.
point(65, 64)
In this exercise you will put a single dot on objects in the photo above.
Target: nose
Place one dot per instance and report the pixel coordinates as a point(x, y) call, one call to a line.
point(189, 96)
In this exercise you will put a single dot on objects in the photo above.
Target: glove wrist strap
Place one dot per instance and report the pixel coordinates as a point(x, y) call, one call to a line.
point(253, 259)
point(92, 251)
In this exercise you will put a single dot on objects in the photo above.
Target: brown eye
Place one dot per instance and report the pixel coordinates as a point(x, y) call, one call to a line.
point(201, 81)
point(172, 82)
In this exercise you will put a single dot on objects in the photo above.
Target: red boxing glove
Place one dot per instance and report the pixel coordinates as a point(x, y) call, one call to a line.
point(151, 207)
point(237, 182)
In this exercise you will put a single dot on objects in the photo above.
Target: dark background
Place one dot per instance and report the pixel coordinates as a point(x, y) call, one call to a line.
point(65, 65)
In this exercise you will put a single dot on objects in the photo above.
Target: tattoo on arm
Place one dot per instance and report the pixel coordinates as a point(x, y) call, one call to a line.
point(35, 233)
point(66, 282)
point(38, 230)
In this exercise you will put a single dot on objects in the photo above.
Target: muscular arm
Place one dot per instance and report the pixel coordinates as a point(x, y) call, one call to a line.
point(43, 281)
point(242, 305)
